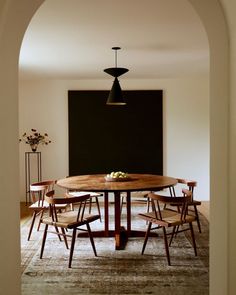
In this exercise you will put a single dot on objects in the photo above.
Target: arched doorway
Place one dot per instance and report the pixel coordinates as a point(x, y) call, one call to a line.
point(14, 20)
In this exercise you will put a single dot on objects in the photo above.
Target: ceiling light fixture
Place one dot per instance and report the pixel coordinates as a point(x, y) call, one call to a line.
point(115, 96)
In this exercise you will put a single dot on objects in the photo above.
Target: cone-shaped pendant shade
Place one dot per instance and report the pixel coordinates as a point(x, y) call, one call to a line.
point(115, 96)
point(116, 72)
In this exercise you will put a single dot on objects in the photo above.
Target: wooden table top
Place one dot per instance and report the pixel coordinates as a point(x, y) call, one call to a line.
point(97, 183)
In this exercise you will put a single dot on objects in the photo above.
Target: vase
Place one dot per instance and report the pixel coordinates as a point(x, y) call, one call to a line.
point(34, 147)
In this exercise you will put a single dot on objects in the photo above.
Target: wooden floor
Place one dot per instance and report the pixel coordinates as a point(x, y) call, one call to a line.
point(25, 212)
point(205, 209)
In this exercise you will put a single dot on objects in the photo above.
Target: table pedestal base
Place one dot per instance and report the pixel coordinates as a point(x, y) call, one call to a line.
point(121, 239)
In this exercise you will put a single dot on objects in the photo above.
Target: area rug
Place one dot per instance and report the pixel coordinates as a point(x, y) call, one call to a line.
point(116, 271)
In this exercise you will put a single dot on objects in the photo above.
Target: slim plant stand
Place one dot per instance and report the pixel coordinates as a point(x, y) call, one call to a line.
point(33, 171)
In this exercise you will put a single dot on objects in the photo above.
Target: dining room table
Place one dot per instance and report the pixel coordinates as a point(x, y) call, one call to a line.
point(133, 182)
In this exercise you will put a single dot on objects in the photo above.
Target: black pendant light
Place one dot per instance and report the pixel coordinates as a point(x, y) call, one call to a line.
point(115, 96)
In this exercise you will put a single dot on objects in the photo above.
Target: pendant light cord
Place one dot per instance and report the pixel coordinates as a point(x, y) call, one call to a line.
point(116, 48)
point(116, 58)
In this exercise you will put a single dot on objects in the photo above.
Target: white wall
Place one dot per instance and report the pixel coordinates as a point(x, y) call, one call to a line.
point(43, 105)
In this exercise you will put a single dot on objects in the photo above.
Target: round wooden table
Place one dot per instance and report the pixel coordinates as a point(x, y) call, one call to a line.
point(136, 182)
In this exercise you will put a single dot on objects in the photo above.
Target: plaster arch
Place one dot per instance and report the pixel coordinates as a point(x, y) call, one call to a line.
point(14, 18)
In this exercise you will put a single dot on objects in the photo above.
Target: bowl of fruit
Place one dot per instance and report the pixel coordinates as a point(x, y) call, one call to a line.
point(117, 176)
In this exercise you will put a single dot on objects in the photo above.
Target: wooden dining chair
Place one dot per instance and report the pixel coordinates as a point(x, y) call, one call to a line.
point(136, 196)
point(93, 199)
point(192, 206)
point(68, 220)
point(39, 205)
point(166, 218)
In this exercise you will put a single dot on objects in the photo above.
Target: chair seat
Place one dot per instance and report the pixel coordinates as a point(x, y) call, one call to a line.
point(195, 203)
point(192, 203)
point(139, 194)
point(61, 206)
point(169, 218)
point(44, 205)
point(39, 205)
point(69, 219)
point(82, 193)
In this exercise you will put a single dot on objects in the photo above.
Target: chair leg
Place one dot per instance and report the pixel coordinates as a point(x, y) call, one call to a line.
point(121, 204)
point(166, 245)
point(44, 240)
point(64, 237)
point(172, 236)
point(40, 218)
point(98, 206)
point(32, 224)
point(72, 247)
point(197, 218)
point(90, 205)
point(193, 238)
point(91, 238)
point(146, 237)
point(176, 231)
point(148, 204)
point(58, 233)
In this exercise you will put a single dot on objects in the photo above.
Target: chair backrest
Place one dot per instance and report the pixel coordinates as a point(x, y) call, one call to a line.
point(158, 201)
point(39, 189)
point(190, 184)
point(81, 201)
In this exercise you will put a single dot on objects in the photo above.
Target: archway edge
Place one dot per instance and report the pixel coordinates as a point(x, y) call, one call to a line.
point(14, 19)
point(213, 19)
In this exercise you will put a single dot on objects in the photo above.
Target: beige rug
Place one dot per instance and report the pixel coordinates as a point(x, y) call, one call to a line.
point(116, 272)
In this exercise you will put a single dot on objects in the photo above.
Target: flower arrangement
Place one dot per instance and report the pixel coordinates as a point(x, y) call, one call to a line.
point(35, 138)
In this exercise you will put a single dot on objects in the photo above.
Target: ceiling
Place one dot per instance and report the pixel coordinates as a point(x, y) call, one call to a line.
point(73, 40)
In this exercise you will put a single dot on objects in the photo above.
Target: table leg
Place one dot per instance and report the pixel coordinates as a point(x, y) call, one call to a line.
point(117, 220)
point(128, 208)
point(121, 236)
point(106, 214)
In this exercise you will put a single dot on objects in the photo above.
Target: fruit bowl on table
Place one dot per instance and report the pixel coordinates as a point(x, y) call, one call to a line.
point(107, 178)
point(117, 176)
